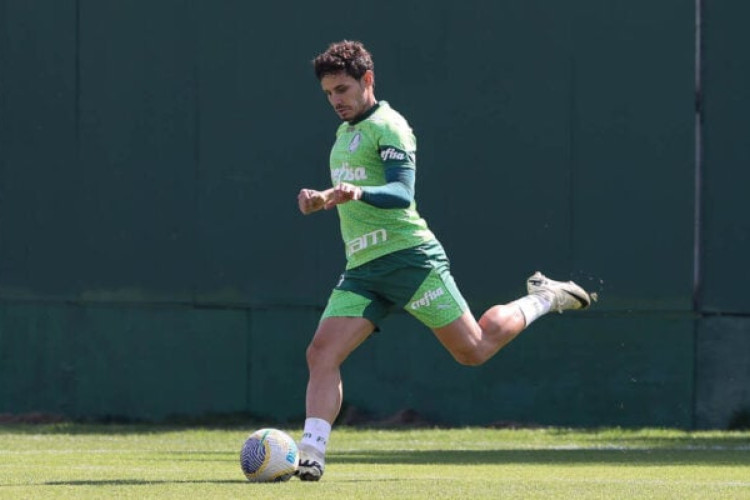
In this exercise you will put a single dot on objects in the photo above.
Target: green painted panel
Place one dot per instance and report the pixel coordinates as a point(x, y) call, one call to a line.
point(38, 170)
point(138, 151)
point(277, 370)
point(258, 146)
point(572, 370)
point(37, 360)
point(723, 373)
point(726, 204)
point(146, 363)
point(632, 151)
point(152, 363)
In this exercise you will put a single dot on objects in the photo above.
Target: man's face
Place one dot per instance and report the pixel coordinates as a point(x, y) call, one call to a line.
point(349, 97)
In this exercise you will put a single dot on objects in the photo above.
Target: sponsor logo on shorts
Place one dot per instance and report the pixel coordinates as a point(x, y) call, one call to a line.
point(428, 297)
point(365, 241)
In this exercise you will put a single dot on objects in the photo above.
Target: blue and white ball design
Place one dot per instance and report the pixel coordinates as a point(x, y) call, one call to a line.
point(269, 455)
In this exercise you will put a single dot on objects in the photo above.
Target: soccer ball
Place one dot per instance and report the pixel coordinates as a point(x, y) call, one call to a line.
point(269, 455)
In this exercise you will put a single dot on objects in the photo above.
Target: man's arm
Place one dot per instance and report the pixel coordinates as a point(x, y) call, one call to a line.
point(398, 192)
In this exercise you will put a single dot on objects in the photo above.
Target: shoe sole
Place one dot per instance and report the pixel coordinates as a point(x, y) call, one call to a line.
point(584, 300)
point(310, 472)
point(309, 476)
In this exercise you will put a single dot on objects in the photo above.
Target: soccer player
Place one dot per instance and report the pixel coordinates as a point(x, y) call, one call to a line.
point(393, 259)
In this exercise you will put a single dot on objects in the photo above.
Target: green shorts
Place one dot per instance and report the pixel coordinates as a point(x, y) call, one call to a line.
point(417, 279)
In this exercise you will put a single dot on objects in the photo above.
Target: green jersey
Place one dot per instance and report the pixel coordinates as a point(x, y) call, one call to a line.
point(363, 150)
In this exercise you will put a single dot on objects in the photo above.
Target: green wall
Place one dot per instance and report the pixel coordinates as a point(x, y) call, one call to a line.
point(153, 262)
point(723, 334)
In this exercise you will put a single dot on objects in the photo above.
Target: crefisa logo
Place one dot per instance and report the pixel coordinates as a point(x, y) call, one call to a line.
point(392, 153)
point(348, 174)
point(428, 297)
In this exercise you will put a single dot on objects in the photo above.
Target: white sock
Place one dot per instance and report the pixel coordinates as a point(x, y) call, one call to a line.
point(316, 434)
point(533, 306)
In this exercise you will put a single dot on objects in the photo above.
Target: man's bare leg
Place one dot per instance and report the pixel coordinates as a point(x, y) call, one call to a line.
point(334, 340)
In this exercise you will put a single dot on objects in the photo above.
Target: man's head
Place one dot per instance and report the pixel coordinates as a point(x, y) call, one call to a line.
point(345, 71)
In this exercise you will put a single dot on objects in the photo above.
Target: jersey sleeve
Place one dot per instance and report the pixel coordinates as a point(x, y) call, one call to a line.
point(398, 192)
point(397, 145)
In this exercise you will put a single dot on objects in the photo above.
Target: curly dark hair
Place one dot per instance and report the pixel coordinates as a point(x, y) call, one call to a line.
point(351, 57)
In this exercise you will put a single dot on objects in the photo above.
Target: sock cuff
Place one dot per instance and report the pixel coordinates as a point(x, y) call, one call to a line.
point(318, 426)
point(532, 307)
point(316, 434)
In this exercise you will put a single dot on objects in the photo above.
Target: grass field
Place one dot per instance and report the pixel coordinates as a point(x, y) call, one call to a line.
point(109, 461)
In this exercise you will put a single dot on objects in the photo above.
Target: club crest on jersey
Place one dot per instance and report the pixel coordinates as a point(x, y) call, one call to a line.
point(354, 143)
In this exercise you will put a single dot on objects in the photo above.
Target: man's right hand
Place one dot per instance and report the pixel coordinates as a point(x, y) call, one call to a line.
point(310, 200)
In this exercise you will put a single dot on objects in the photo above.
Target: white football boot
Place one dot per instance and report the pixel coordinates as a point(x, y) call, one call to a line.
point(311, 464)
point(564, 295)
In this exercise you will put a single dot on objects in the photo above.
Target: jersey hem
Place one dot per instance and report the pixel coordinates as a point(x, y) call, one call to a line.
point(393, 249)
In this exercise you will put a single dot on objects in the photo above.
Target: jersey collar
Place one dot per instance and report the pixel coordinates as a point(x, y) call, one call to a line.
point(366, 114)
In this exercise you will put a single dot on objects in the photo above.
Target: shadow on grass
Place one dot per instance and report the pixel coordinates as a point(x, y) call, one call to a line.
point(619, 457)
point(67, 428)
point(141, 482)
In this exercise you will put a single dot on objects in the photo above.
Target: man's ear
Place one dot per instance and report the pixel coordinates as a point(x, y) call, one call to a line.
point(369, 78)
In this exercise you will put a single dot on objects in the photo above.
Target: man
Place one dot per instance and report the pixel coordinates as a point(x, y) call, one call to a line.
point(393, 259)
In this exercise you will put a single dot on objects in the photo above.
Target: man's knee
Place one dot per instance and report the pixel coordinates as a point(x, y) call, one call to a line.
point(469, 357)
point(315, 354)
point(322, 354)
